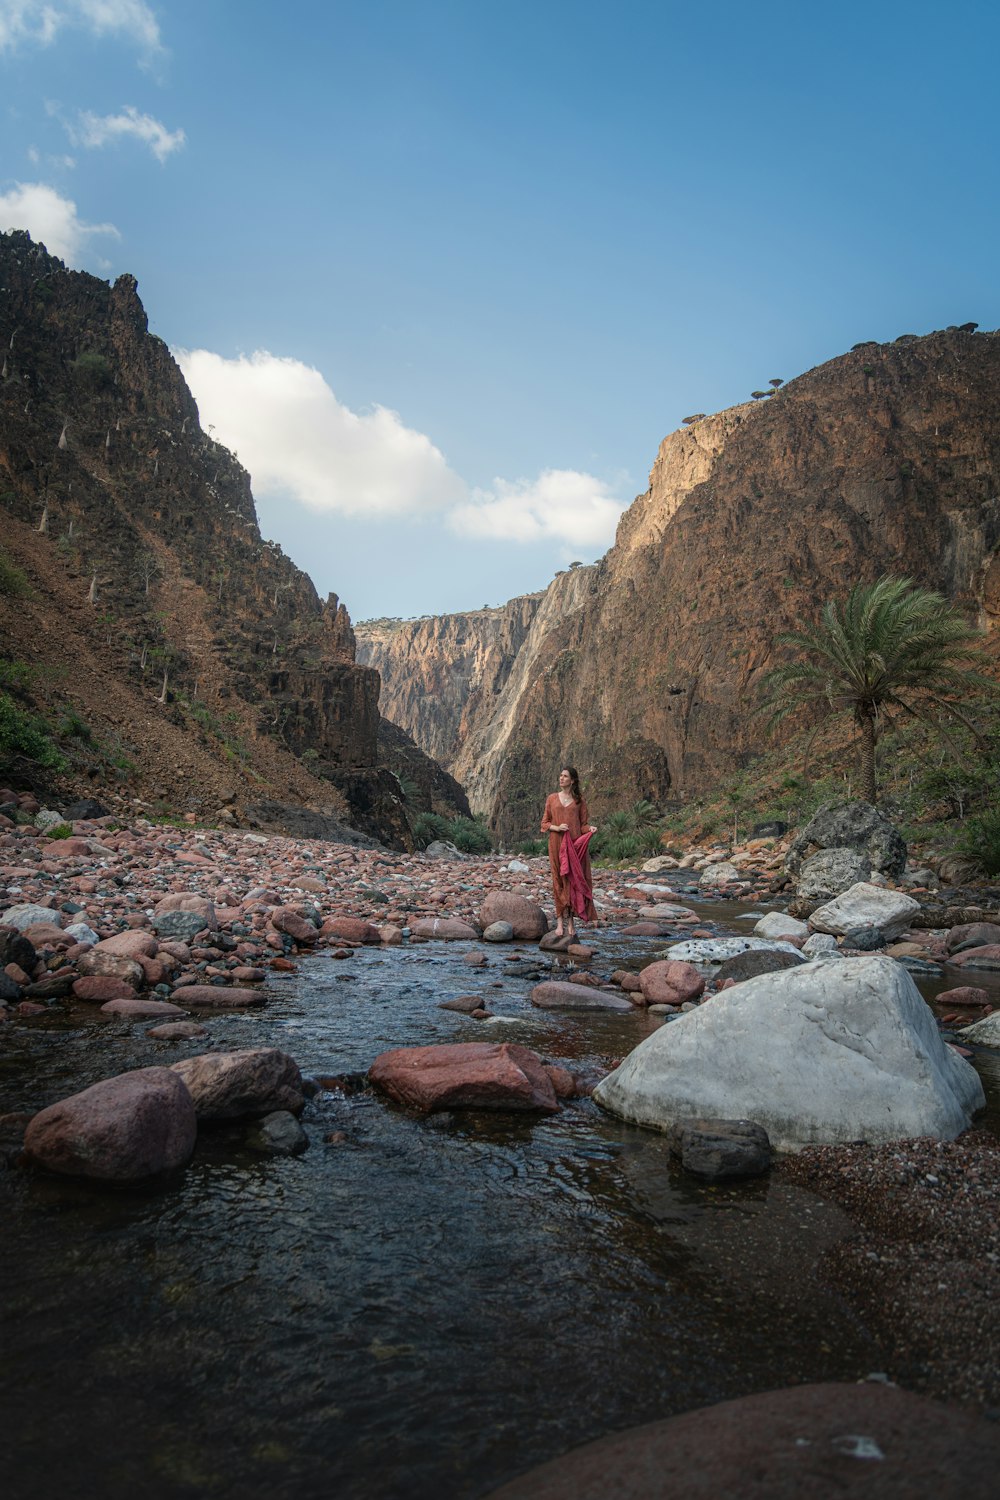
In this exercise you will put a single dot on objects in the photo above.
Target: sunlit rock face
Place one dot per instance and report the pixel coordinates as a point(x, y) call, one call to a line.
point(643, 670)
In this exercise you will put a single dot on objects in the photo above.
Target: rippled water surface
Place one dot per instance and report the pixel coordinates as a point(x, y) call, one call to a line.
point(425, 1309)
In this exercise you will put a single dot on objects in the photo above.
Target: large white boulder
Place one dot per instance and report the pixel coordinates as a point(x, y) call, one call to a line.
point(865, 905)
point(830, 1051)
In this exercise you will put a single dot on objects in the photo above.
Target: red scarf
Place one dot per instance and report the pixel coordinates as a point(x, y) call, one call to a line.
point(571, 854)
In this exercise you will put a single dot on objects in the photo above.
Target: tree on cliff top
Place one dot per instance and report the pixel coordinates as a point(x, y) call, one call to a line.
point(889, 646)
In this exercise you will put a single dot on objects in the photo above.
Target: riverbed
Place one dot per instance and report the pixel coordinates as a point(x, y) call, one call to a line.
point(415, 1307)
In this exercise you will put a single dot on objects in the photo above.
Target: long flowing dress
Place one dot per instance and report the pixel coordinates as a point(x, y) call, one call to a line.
point(576, 817)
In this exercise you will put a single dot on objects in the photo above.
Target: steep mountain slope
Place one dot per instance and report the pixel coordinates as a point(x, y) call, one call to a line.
point(158, 612)
point(885, 459)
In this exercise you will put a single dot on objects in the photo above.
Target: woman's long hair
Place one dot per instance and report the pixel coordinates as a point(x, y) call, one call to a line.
point(574, 783)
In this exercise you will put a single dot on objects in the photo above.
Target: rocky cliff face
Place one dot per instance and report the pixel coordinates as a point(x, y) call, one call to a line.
point(441, 674)
point(140, 537)
point(886, 459)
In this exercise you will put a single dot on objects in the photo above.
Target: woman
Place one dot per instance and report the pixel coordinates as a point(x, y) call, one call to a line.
point(566, 817)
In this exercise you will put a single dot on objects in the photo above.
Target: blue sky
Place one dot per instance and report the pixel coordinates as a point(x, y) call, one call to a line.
point(445, 274)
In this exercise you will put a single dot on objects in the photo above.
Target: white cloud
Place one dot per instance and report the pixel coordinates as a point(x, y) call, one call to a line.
point(561, 505)
point(297, 439)
point(50, 218)
point(40, 21)
point(98, 130)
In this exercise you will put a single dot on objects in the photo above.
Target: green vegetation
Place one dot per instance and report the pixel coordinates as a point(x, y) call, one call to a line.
point(889, 646)
point(13, 580)
point(26, 736)
point(92, 369)
point(470, 835)
point(979, 840)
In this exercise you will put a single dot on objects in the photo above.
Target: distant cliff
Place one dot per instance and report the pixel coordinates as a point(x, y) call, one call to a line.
point(440, 674)
point(645, 668)
point(157, 612)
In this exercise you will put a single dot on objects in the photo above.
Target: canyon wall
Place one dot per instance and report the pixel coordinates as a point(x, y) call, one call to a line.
point(886, 459)
point(176, 623)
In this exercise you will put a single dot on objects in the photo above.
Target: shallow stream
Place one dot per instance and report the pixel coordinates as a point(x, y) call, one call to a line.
point(426, 1308)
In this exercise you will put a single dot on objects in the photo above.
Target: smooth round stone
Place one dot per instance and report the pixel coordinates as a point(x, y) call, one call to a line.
point(498, 932)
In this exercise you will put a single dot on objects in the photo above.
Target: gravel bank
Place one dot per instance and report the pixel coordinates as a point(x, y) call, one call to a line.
point(922, 1270)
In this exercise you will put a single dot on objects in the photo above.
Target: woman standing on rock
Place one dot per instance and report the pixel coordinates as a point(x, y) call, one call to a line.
point(565, 820)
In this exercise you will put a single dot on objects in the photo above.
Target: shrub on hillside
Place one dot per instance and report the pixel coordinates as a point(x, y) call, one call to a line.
point(13, 580)
point(24, 736)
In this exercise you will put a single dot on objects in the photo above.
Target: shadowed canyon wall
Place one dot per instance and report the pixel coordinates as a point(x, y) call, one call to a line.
point(150, 578)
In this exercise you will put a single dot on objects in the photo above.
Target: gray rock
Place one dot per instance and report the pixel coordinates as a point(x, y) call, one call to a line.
point(86, 810)
point(757, 961)
point(819, 942)
point(28, 914)
point(831, 871)
point(81, 933)
point(178, 924)
point(556, 994)
point(277, 1134)
point(498, 932)
point(985, 1032)
point(442, 849)
point(865, 906)
point(717, 950)
point(717, 1149)
point(850, 825)
point(518, 867)
point(865, 939)
point(716, 877)
point(778, 924)
point(827, 1052)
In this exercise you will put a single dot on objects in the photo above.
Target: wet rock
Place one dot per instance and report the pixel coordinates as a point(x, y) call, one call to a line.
point(15, 948)
point(219, 996)
point(668, 982)
point(865, 906)
point(972, 935)
point(53, 986)
point(465, 1004)
point(553, 942)
point(470, 1075)
point(665, 911)
point(141, 1010)
point(562, 1081)
point(277, 1134)
point(985, 1032)
point(964, 994)
point(284, 919)
point(580, 951)
point(841, 1049)
point(757, 961)
point(498, 932)
point(987, 958)
point(121, 1130)
point(828, 1442)
point(229, 1085)
point(559, 994)
point(177, 1031)
point(719, 1149)
point(446, 929)
point(527, 918)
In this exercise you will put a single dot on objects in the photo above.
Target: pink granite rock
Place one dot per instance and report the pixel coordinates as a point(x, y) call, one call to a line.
point(526, 917)
point(112, 966)
point(465, 1075)
point(121, 1130)
point(229, 1085)
point(670, 982)
point(350, 930)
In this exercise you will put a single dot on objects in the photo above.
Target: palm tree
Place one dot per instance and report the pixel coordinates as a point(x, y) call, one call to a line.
point(889, 646)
